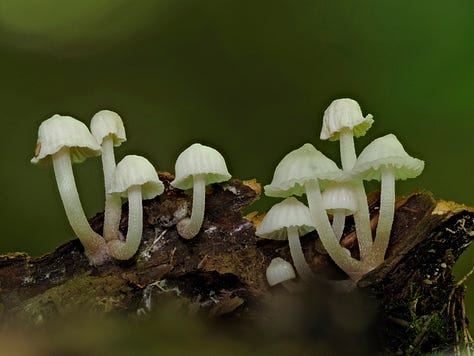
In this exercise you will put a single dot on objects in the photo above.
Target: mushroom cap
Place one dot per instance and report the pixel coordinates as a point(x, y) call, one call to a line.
point(136, 170)
point(344, 113)
point(199, 159)
point(386, 151)
point(105, 123)
point(61, 131)
point(288, 213)
point(299, 166)
point(340, 196)
point(279, 271)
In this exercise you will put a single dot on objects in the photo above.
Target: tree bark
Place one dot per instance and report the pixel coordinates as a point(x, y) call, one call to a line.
point(410, 304)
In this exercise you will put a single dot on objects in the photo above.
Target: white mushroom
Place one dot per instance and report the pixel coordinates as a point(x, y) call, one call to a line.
point(63, 140)
point(134, 178)
point(107, 128)
point(196, 167)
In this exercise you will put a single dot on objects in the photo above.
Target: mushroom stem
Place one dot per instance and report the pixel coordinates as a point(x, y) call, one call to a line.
point(297, 255)
point(362, 219)
point(348, 154)
point(338, 222)
point(387, 209)
point(341, 256)
point(188, 228)
point(94, 244)
point(125, 250)
point(113, 203)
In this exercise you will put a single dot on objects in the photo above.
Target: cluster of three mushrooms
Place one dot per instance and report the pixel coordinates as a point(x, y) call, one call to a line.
point(306, 171)
point(64, 140)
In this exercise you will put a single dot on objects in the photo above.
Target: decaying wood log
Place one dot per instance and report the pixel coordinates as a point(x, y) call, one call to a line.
point(410, 304)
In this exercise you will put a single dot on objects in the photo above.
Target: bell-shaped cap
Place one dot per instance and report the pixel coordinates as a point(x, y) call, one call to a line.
point(288, 213)
point(386, 151)
point(61, 131)
point(299, 166)
point(279, 271)
point(344, 113)
point(199, 159)
point(340, 196)
point(136, 170)
point(108, 123)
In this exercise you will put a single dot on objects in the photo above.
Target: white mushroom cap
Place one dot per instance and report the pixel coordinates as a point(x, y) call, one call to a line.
point(290, 212)
point(105, 123)
point(344, 113)
point(299, 166)
point(340, 196)
point(64, 131)
point(136, 170)
point(279, 271)
point(199, 159)
point(386, 151)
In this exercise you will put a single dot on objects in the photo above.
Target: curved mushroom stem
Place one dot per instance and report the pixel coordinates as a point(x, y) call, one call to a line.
point(341, 256)
point(189, 227)
point(125, 250)
point(338, 222)
point(94, 244)
point(361, 217)
point(297, 255)
point(387, 209)
point(113, 203)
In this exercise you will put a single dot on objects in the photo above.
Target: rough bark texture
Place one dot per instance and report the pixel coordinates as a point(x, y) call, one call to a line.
point(411, 304)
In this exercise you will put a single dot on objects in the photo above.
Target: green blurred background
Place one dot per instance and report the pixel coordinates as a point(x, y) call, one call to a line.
point(251, 78)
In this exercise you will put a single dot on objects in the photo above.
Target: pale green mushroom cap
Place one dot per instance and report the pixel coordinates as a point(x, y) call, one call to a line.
point(136, 170)
point(340, 196)
point(288, 213)
point(105, 123)
point(279, 271)
point(344, 113)
point(386, 151)
point(198, 159)
point(299, 166)
point(61, 131)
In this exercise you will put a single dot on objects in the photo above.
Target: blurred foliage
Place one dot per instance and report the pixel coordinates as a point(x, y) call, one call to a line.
point(251, 78)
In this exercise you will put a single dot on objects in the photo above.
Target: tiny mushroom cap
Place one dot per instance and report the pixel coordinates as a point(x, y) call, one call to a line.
point(136, 178)
point(340, 196)
point(279, 271)
point(199, 159)
point(196, 167)
point(386, 151)
point(108, 123)
point(135, 170)
point(299, 166)
point(344, 113)
point(61, 131)
point(288, 220)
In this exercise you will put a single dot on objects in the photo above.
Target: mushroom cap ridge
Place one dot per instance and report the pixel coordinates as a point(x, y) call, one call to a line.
point(290, 212)
point(199, 159)
point(136, 170)
point(105, 123)
point(299, 166)
point(61, 131)
point(344, 113)
point(386, 151)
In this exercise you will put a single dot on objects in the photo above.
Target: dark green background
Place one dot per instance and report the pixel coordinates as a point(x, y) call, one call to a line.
point(251, 78)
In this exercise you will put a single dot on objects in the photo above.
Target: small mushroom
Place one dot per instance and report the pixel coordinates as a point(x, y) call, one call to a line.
point(196, 167)
point(107, 128)
point(302, 171)
point(342, 121)
point(281, 272)
point(134, 178)
point(288, 220)
point(385, 160)
point(63, 140)
point(339, 200)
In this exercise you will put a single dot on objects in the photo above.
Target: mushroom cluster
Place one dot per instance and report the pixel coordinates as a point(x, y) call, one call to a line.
point(338, 191)
point(63, 140)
